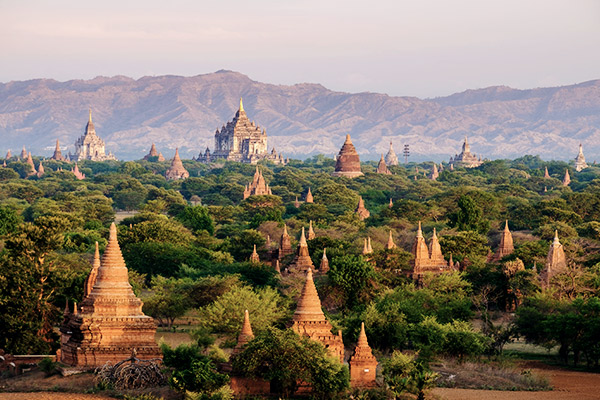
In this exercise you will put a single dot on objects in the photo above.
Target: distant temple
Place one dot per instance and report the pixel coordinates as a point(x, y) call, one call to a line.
point(434, 173)
point(154, 153)
point(258, 186)
point(90, 146)
point(428, 259)
point(567, 179)
point(382, 168)
point(57, 156)
point(176, 170)
point(302, 262)
point(241, 140)
point(506, 246)
point(556, 262)
point(466, 158)
point(78, 174)
point(109, 323)
point(361, 210)
point(390, 157)
point(580, 163)
point(348, 162)
point(363, 364)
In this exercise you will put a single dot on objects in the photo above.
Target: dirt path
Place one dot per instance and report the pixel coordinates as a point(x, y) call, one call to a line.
point(568, 385)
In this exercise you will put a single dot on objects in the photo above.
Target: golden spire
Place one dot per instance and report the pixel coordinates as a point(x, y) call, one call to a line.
point(419, 231)
point(302, 239)
point(90, 117)
point(362, 336)
point(245, 335)
point(390, 244)
point(241, 105)
point(309, 304)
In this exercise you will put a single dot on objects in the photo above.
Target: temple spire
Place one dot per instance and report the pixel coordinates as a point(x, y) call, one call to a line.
point(90, 117)
point(241, 105)
point(390, 244)
point(309, 304)
point(245, 335)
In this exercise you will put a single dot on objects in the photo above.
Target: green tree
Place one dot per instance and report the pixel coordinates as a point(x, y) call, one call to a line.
point(405, 374)
point(9, 220)
point(469, 216)
point(197, 219)
point(170, 299)
point(352, 274)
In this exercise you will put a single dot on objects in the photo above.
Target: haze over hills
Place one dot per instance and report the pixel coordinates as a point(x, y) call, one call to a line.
point(301, 120)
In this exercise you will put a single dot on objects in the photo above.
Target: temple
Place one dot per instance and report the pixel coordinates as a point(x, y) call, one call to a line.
point(90, 146)
point(466, 158)
point(29, 162)
point(580, 163)
point(390, 157)
point(434, 173)
point(302, 262)
point(427, 259)
point(241, 140)
point(309, 197)
point(309, 320)
point(363, 365)
point(78, 174)
point(254, 257)
point(258, 186)
point(176, 170)
point(324, 267)
point(390, 243)
point(506, 245)
point(567, 179)
point(362, 212)
point(154, 153)
point(57, 156)
point(556, 262)
point(348, 162)
point(382, 168)
point(285, 244)
point(311, 232)
point(109, 323)
point(546, 174)
point(245, 335)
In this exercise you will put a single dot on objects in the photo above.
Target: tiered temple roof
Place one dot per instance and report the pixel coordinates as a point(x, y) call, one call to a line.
point(466, 158)
point(109, 323)
point(176, 170)
point(23, 153)
point(90, 146)
point(57, 156)
point(363, 365)
point(556, 262)
point(258, 186)
point(362, 212)
point(348, 162)
point(382, 168)
point(390, 157)
point(309, 320)
point(427, 259)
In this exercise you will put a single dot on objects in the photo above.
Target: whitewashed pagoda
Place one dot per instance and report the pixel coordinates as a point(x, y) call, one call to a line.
point(466, 158)
point(90, 146)
point(580, 163)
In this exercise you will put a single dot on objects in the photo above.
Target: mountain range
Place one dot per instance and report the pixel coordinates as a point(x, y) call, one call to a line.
point(301, 120)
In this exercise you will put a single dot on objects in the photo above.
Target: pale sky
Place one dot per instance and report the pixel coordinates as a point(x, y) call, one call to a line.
point(421, 48)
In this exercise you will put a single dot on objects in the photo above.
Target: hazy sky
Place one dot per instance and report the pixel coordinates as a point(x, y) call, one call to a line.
point(422, 48)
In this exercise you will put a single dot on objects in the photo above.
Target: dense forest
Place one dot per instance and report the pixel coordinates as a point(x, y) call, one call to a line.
point(187, 245)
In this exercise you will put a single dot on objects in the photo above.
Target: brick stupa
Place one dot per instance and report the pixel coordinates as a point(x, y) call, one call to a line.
point(176, 170)
point(254, 257)
point(309, 197)
point(361, 210)
point(556, 262)
point(258, 186)
point(427, 259)
point(567, 179)
point(363, 365)
point(31, 164)
point(109, 323)
point(245, 335)
point(390, 243)
point(311, 231)
point(348, 162)
point(382, 168)
point(154, 153)
point(302, 262)
point(506, 246)
point(57, 156)
point(285, 244)
point(324, 267)
point(309, 320)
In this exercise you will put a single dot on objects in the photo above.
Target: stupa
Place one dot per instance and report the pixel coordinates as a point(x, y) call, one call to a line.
point(176, 170)
point(427, 259)
point(390, 157)
point(154, 153)
point(362, 212)
point(390, 243)
point(567, 179)
point(258, 186)
point(580, 163)
point(546, 174)
point(245, 335)
point(434, 173)
point(109, 323)
point(506, 246)
point(309, 197)
point(254, 258)
point(324, 267)
point(556, 262)
point(8, 155)
point(57, 156)
point(309, 320)
point(78, 174)
point(363, 365)
point(302, 262)
point(311, 232)
point(285, 244)
point(29, 162)
point(41, 170)
point(90, 146)
point(23, 153)
point(382, 168)
point(348, 162)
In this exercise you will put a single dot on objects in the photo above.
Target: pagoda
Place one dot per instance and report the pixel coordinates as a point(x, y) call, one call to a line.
point(302, 262)
point(324, 267)
point(176, 170)
point(390, 243)
point(245, 335)
point(254, 257)
point(109, 323)
point(434, 173)
point(567, 179)
point(427, 259)
point(23, 153)
point(285, 244)
point(363, 365)
point(29, 162)
point(90, 146)
point(362, 212)
point(57, 156)
point(154, 153)
point(311, 232)
point(580, 163)
point(78, 174)
point(506, 246)
point(556, 262)
point(466, 158)
point(309, 197)
point(382, 168)
point(8, 155)
point(309, 320)
point(41, 170)
point(258, 186)
point(390, 157)
point(348, 162)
